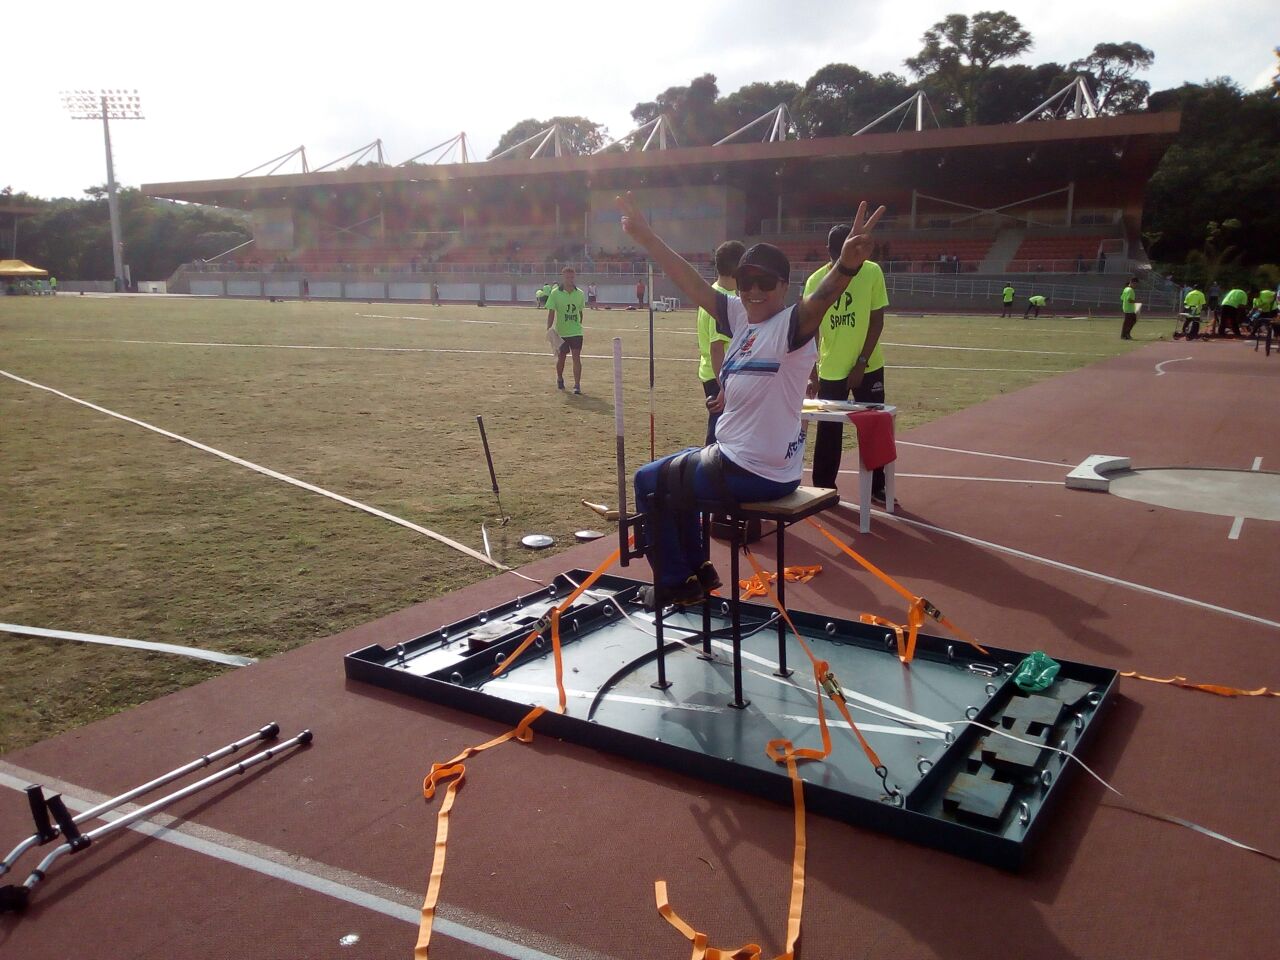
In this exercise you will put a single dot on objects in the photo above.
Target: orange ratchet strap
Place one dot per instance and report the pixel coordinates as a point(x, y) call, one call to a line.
point(551, 619)
point(753, 587)
point(780, 751)
point(917, 607)
point(453, 771)
point(1206, 687)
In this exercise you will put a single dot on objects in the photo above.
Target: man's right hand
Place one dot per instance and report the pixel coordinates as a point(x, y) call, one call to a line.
point(716, 404)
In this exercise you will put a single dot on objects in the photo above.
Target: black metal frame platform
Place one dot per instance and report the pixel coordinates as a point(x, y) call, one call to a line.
point(957, 787)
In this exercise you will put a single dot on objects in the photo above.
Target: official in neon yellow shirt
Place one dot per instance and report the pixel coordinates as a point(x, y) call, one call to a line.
point(1233, 304)
point(1192, 307)
point(1128, 307)
point(1034, 303)
point(565, 304)
point(1193, 303)
point(711, 341)
point(849, 356)
point(1266, 302)
point(1007, 295)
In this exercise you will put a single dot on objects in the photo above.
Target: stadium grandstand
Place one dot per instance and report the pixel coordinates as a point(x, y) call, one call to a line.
point(1055, 204)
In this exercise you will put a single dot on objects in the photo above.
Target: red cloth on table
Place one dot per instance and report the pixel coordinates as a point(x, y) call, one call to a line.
point(875, 437)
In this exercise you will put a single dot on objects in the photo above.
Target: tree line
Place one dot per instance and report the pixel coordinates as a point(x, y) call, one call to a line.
point(1210, 204)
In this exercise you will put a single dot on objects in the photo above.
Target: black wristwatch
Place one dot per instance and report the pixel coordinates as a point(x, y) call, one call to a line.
point(846, 271)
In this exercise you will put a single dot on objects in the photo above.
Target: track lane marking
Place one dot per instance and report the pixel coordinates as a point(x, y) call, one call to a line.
point(1071, 568)
point(322, 878)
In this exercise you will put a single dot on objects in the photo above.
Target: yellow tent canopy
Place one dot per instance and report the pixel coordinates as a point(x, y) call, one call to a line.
point(18, 268)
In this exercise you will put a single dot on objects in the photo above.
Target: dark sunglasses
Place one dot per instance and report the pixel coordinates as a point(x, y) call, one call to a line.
point(766, 282)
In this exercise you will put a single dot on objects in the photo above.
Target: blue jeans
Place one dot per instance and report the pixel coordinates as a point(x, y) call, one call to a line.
point(678, 557)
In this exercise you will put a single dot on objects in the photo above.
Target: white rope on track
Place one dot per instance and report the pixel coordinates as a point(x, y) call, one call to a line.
point(267, 472)
point(227, 659)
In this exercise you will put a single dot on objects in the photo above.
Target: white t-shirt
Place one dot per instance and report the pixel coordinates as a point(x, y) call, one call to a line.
point(765, 372)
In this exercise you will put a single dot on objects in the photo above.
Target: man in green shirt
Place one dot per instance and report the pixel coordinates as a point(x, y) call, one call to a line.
point(1034, 302)
point(565, 304)
point(1007, 299)
point(710, 340)
point(1128, 307)
point(849, 356)
point(1233, 304)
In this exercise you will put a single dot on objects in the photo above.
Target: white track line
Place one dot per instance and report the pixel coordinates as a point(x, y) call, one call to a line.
point(1160, 371)
point(938, 476)
point(228, 659)
point(308, 874)
point(1071, 568)
point(977, 453)
point(266, 471)
point(1238, 523)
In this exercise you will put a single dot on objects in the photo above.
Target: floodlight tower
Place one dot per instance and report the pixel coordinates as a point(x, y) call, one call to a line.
point(107, 105)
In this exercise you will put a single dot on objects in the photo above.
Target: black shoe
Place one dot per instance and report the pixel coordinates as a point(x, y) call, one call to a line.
point(559, 384)
point(577, 391)
point(877, 496)
point(708, 577)
point(686, 594)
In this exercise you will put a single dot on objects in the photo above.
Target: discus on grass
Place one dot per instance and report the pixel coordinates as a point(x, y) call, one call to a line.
point(585, 535)
point(537, 541)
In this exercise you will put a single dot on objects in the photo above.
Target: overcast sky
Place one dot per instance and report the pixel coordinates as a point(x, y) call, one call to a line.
point(228, 85)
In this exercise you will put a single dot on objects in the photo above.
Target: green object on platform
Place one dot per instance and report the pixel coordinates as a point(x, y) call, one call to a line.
point(1036, 672)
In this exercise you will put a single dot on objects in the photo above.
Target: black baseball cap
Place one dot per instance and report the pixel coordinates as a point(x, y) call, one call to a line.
point(767, 258)
point(836, 238)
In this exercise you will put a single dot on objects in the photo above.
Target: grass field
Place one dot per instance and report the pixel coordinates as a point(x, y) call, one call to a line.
point(112, 529)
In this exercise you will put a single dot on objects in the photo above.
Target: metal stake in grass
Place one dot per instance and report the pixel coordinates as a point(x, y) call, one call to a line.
point(502, 516)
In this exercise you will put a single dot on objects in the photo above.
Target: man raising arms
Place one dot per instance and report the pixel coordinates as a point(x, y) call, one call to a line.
point(564, 309)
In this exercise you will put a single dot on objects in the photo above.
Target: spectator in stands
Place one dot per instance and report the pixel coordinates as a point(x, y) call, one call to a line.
point(759, 451)
point(1128, 307)
point(850, 361)
point(592, 296)
point(1034, 303)
point(711, 341)
point(564, 309)
point(1006, 299)
point(1233, 304)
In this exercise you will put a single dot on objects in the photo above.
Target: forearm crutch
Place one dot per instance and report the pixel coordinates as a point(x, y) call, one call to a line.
point(46, 831)
point(15, 897)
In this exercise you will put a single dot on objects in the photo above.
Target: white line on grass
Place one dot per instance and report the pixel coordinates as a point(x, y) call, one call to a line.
point(228, 659)
point(977, 453)
point(1049, 353)
point(312, 875)
point(384, 316)
point(1071, 568)
point(266, 471)
point(486, 353)
point(308, 346)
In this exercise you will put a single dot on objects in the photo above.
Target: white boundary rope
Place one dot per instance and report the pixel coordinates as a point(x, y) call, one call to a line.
point(227, 659)
point(267, 472)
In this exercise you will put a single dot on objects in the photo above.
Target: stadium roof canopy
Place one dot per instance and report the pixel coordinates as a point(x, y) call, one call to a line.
point(1125, 148)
